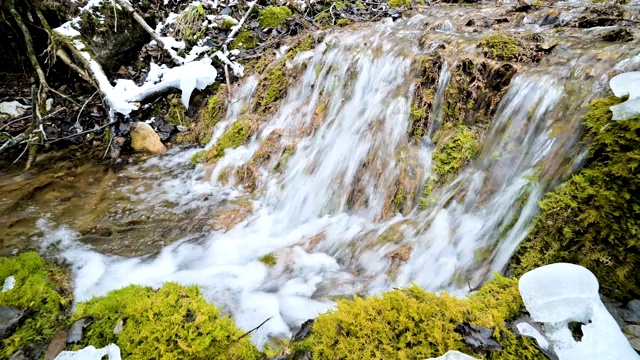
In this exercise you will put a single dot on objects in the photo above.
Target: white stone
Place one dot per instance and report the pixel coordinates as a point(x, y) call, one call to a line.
point(91, 353)
point(13, 108)
point(453, 355)
point(626, 84)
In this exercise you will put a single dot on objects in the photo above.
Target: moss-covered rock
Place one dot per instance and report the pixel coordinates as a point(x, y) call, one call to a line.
point(173, 322)
point(503, 47)
point(272, 87)
point(245, 40)
point(274, 16)
point(459, 144)
point(594, 218)
point(200, 132)
point(236, 135)
point(44, 290)
point(412, 323)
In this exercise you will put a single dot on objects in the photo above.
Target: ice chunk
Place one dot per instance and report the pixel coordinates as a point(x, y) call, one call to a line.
point(559, 294)
point(13, 108)
point(91, 353)
point(9, 283)
point(453, 355)
point(626, 84)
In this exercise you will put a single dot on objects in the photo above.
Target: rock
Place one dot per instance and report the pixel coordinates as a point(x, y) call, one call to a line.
point(119, 327)
point(10, 316)
point(57, 345)
point(9, 283)
point(632, 332)
point(76, 331)
point(304, 331)
point(631, 313)
point(19, 355)
point(13, 108)
point(614, 308)
point(478, 337)
point(453, 355)
point(619, 35)
point(181, 128)
point(145, 139)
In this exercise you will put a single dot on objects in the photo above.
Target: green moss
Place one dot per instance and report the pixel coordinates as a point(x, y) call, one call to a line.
point(344, 22)
point(274, 16)
point(594, 218)
point(245, 40)
point(399, 3)
point(412, 323)
point(455, 150)
point(269, 259)
point(502, 47)
point(238, 134)
point(175, 115)
point(305, 45)
point(173, 322)
point(36, 289)
point(188, 24)
point(272, 87)
point(208, 117)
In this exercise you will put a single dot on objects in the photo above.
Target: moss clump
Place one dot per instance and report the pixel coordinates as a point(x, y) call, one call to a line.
point(188, 24)
point(36, 289)
point(207, 118)
point(594, 218)
point(238, 134)
point(399, 3)
point(412, 323)
point(344, 22)
point(173, 322)
point(273, 87)
point(269, 259)
point(274, 16)
point(455, 150)
point(503, 47)
point(305, 45)
point(245, 40)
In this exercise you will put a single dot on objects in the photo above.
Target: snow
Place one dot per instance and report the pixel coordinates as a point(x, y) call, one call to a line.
point(558, 294)
point(9, 283)
point(13, 108)
point(453, 355)
point(626, 84)
point(67, 29)
point(91, 353)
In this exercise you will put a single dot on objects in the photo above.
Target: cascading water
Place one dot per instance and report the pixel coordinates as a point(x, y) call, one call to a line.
point(322, 214)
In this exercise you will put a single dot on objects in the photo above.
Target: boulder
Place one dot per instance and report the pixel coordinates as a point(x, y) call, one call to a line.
point(631, 313)
point(145, 139)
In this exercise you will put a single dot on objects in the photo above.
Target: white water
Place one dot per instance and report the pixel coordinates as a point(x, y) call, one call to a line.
point(364, 79)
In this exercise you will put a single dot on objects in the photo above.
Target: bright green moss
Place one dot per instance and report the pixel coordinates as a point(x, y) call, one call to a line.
point(238, 134)
point(245, 40)
point(173, 322)
point(305, 45)
point(594, 218)
point(208, 117)
point(274, 16)
point(502, 47)
point(412, 323)
point(35, 290)
point(269, 259)
point(398, 3)
point(458, 147)
point(344, 22)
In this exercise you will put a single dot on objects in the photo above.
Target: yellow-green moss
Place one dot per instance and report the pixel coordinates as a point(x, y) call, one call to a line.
point(455, 150)
point(208, 117)
point(36, 289)
point(238, 134)
point(274, 16)
point(245, 40)
point(502, 47)
point(305, 45)
point(269, 259)
point(272, 87)
point(399, 3)
point(188, 25)
point(594, 218)
point(173, 322)
point(412, 323)
point(344, 22)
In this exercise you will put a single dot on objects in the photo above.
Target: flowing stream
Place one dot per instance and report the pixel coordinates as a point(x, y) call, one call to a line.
point(324, 213)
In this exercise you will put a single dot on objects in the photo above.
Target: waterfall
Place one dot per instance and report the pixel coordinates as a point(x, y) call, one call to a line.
point(325, 213)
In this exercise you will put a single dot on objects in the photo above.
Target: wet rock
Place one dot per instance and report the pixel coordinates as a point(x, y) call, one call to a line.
point(145, 139)
point(304, 331)
point(76, 331)
point(614, 308)
point(57, 345)
point(478, 337)
point(10, 316)
point(631, 313)
point(618, 35)
point(19, 355)
point(599, 16)
point(632, 332)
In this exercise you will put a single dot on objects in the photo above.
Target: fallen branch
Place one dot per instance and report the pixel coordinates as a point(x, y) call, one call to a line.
point(125, 4)
point(83, 133)
point(250, 331)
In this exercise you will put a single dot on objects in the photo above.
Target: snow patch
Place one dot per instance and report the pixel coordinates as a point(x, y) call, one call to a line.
point(626, 84)
point(13, 108)
point(91, 353)
point(453, 355)
point(559, 294)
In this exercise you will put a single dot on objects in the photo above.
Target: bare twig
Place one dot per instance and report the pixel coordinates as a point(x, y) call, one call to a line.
point(250, 331)
point(125, 4)
point(77, 124)
point(82, 133)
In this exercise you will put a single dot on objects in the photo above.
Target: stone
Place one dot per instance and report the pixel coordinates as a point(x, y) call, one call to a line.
point(144, 139)
point(76, 331)
point(631, 313)
point(57, 345)
point(614, 308)
point(119, 327)
point(10, 316)
point(478, 337)
point(632, 332)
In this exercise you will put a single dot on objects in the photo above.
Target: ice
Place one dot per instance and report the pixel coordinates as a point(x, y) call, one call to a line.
point(561, 293)
point(626, 84)
point(9, 283)
point(91, 353)
point(13, 108)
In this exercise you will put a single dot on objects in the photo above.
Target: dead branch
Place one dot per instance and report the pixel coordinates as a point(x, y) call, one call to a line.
point(125, 4)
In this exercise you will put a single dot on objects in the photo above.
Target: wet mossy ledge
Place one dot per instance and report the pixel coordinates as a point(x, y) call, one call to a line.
point(175, 322)
point(593, 219)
